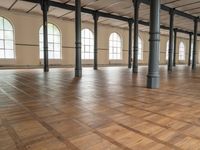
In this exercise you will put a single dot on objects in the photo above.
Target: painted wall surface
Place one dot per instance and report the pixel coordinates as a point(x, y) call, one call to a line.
point(27, 27)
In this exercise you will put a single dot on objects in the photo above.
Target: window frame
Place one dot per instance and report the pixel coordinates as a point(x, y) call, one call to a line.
point(140, 50)
point(117, 55)
point(90, 45)
point(53, 43)
point(181, 55)
point(4, 40)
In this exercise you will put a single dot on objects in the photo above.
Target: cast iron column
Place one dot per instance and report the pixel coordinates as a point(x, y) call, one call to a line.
point(190, 49)
point(153, 77)
point(130, 24)
point(45, 7)
point(78, 66)
point(195, 43)
point(175, 35)
point(95, 17)
point(171, 44)
point(135, 56)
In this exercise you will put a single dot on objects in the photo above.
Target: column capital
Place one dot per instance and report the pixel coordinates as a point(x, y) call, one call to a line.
point(196, 19)
point(44, 5)
point(190, 33)
point(130, 21)
point(136, 2)
point(175, 30)
point(172, 11)
point(96, 15)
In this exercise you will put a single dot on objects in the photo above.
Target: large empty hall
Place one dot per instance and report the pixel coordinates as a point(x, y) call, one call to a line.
point(99, 74)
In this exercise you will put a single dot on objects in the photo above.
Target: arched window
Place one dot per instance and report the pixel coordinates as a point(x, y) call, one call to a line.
point(181, 51)
point(87, 40)
point(54, 42)
point(167, 50)
point(140, 47)
point(6, 39)
point(115, 46)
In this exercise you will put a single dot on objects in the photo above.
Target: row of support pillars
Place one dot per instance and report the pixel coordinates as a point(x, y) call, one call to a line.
point(153, 76)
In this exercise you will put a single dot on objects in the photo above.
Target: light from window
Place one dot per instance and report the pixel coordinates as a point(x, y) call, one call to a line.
point(115, 47)
point(167, 50)
point(191, 54)
point(6, 39)
point(181, 51)
point(140, 52)
point(54, 42)
point(87, 40)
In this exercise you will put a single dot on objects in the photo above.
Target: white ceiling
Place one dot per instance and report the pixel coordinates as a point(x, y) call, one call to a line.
point(117, 7)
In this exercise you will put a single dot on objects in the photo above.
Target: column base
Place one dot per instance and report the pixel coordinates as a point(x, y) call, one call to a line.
point(78, 73)
point(46, 69)
point(135, 69)
point(153, 82)
point(193, 66)
point(129, 66)
point(95, 68)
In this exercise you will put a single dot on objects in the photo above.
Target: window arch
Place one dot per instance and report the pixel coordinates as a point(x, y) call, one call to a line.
point(167, 50)
point(6, 39)
point(140, 49)
point(115, 46)
point(181, 51)
point(87, 40)
point(54, 42)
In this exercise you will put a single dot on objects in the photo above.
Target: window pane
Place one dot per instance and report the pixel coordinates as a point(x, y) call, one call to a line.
point(41, 54)
point(7, 25)
point(9, 54)
point(56, 31)
point(8, 44)
point(50, 54)
point(57, 55)
point(87, 56)
point(56, 47)
point(41, 37)
point(2, 54)
point(50, 46)
point(9, 35)
point(1, 23)
point(1, 34)
point(57, 39)
point(50, 29)
point(1, 44)
point(50, 38)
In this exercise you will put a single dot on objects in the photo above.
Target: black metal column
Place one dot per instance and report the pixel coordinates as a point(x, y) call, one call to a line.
point(78, 66)
point(153, 77)
point(45, 7)
point(130, 24)
point(174, 58)
point(195, 43)
point(190, 49)
point(136, 35)
point(95, 17)
point(171, 42)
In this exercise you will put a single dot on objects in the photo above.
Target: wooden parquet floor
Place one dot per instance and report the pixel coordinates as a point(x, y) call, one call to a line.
point(108, 109)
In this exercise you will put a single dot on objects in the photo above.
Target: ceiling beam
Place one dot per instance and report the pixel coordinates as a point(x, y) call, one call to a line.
point(166, 8)
point(103, 14)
